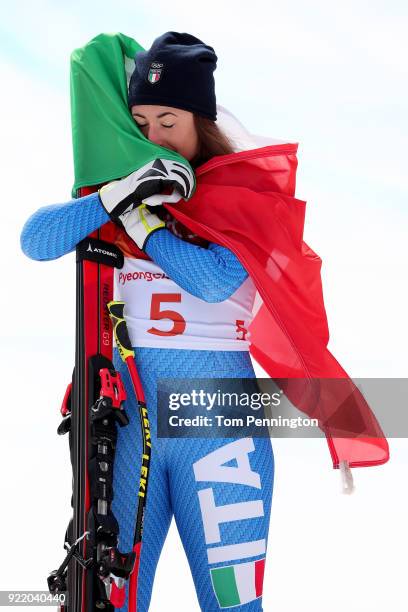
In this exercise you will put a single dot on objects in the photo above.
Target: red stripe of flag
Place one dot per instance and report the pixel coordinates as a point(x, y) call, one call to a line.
point(259, 575)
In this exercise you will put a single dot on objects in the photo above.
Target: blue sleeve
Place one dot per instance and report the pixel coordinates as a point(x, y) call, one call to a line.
point(211, 274)
point(55, 230)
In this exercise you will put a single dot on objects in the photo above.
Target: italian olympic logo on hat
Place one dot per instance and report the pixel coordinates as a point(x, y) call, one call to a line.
point(155, 72)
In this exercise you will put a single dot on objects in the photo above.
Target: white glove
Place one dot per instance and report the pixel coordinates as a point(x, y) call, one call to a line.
point(139, 223)
point(146, 184)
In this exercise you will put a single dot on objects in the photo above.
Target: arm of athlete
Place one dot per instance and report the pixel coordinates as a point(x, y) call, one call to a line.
point(53, 231)
point(211, 274)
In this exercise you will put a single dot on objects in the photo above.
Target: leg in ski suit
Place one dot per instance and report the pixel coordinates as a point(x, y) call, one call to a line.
point(172, 486)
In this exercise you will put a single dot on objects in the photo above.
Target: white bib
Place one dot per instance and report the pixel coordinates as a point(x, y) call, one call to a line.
point(161, 314)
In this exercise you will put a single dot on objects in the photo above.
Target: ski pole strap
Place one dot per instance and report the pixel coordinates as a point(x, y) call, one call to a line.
point(116, 313)
point(120, 330)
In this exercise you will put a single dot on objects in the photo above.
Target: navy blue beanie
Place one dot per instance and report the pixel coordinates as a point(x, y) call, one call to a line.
point(176, 71)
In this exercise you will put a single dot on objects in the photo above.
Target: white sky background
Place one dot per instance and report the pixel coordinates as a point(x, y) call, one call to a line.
point(329, 75)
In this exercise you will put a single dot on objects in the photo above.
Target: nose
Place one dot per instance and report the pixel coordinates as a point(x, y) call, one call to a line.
point(154, 135)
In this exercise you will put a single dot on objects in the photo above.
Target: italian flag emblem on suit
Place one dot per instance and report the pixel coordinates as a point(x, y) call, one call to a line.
point(235, 585)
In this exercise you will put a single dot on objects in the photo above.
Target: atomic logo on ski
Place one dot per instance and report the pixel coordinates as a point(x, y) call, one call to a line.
point(100, 251)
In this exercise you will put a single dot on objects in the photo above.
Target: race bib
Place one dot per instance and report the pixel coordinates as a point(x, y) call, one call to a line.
point(161, 314)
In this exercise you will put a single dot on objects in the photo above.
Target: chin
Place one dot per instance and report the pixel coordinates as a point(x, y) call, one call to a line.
point(186, 155)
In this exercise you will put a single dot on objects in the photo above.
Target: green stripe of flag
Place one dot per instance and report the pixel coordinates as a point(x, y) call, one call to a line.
point(106, 140)
point(225, 587)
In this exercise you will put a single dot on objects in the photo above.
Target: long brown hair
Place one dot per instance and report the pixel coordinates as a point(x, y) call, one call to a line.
point(211, 141)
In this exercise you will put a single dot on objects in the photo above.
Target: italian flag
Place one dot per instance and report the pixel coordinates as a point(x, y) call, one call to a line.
point(153, 76)
point(240, 200)
point(235, 585)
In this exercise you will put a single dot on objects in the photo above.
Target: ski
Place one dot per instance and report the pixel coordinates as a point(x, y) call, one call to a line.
point(94, 572)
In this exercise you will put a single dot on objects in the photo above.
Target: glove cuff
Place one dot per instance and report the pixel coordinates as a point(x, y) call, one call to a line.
point(146, 240)
point(140, 223)
point(114, 210)
point(151, 223)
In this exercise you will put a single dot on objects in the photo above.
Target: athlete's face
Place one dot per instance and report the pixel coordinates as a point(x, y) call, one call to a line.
point(168, 127)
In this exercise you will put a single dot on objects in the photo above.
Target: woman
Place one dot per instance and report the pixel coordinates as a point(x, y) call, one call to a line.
point(219, 490)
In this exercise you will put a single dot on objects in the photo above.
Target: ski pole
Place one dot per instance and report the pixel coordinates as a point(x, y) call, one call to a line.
point(127, 354)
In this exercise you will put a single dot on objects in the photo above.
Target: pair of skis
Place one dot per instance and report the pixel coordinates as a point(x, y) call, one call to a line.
point(94, 573)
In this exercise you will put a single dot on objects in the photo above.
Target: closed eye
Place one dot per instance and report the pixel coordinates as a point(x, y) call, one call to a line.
point(141, 126)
